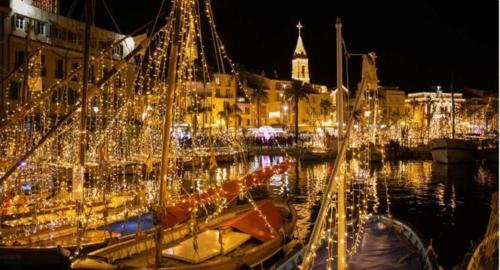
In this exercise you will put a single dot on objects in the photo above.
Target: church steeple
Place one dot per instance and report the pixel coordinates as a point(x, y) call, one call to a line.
point(300, 63)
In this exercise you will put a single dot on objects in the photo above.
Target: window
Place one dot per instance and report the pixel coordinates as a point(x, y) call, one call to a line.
point(104, 44)
point(44, 70)
point(40, 28)
point(118, 50)
point(20, 22)
point(75, 67)
point(217, 80)
point(19, 59)
point(247, 110)
point(56, 95)
point(71, 36)
point(54, 32)
point(91, 74)
point(14, 90)
point(248, 122)
point(217, 92)
point(62, 34)
point(72, 96)
point(59, 69)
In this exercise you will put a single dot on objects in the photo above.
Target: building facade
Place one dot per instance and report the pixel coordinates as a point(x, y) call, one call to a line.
point(30, 26)
point(276, 110)
point(429, 114)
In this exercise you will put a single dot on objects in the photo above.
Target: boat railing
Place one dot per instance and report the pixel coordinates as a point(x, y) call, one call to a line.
point(292, 261)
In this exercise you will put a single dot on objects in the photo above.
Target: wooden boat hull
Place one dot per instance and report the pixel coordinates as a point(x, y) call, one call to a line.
point(451, 151)
point(47, 255)
point(237, 260)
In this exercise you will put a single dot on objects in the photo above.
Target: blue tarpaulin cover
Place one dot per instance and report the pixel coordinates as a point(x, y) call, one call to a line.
point(381, 248)
point(130, 225)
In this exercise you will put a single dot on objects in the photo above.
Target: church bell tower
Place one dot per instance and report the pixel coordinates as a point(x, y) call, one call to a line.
point(300, 63)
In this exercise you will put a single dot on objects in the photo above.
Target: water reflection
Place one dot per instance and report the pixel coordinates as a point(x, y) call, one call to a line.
point(446, 203)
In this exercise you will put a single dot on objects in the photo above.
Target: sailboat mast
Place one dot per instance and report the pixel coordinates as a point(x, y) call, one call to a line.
point(341, 226)
point(27, 42)
point(452, 107)
point(79, 175)
point(171, 84)
point(340, 96)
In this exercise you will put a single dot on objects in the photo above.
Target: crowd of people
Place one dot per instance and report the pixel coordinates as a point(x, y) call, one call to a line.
point(287, 140)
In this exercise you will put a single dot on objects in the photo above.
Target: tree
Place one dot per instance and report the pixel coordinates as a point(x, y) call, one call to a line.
point(413, 103)
point(298, 91)
point(194, 110)
point(490, 113)
point(326, 107)
point(431, 107)
point(231, 111)
point(259, 94)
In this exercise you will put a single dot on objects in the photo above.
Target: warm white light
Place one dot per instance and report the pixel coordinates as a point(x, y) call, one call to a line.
point(274, 114)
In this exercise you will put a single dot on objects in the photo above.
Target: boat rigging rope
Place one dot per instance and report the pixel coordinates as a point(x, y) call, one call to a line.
point(111, 16)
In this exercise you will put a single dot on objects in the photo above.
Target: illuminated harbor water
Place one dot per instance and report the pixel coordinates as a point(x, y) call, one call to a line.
point(446, 203)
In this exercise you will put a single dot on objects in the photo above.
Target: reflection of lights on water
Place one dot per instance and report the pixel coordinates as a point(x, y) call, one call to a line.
point(440, 194)
point(453, 202)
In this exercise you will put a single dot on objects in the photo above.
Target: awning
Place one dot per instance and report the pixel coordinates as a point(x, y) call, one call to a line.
point(257, 224)
point(178, 213)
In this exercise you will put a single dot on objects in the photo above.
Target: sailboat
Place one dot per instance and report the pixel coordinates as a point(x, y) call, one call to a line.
point(206, 225)
point(41, 223)
point(452, 150)
point(382, 241)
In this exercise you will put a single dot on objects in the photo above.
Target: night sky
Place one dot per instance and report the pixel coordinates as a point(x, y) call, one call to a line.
point(418, 43)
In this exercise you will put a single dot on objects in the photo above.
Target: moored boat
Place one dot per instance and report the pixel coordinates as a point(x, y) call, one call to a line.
point(240, 237)
point(387, 243)
point(448, 150)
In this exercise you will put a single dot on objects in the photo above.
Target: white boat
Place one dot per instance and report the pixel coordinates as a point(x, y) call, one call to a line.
point(450, 151)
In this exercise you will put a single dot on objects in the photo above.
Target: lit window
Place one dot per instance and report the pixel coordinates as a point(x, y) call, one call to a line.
point(274, 114)
point(19, 59)
point(217, 80)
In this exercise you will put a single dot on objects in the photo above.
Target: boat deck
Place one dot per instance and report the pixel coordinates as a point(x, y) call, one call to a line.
point(147, 258)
